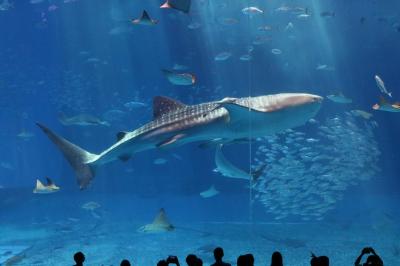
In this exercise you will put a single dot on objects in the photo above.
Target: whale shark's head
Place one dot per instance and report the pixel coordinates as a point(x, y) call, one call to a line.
point(271, 114)
point(300, 103)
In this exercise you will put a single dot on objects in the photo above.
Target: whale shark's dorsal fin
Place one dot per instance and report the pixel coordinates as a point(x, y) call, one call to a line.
point(163, 105)
point(161, 219)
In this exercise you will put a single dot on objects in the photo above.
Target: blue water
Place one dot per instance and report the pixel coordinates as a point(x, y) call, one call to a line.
point(85, 57)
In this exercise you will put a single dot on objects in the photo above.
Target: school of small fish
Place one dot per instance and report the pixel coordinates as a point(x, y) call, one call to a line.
point(307, 174)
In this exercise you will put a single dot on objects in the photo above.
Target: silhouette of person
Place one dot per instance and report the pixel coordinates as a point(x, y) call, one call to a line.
point(125, 263)
point(218, 255)
point(249, 259)
point(192, 260)
point(276, 259)
point(323, 261)
point(314, 260)
point(372, 260)
point(241, 261)
point(319, 261)
point(79, 258)
point(162, 263)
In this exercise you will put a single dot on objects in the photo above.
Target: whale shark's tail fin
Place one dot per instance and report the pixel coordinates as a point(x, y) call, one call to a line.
point(77, 157)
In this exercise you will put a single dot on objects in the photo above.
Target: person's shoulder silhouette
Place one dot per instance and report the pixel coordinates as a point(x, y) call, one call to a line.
point(276, 259)
point(218, 255)
point(79, 258)
point(125, 263)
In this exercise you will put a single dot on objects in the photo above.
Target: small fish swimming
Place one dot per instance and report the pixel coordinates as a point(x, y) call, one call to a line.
point(50, 187)
point(81, 120)
point(91, 206)
point(222, 56)
point(252, 10)
point(245, 57)
point(325, 67)
point(181, 5)
point(385, 106)
point(25, 135)
point(134, 105)
point(362, 114)
point(160, 161)
point(211, 192)
point(181, 79)
point(339, 98)
point(276, 51)
point(381, 86)
point(144, 20)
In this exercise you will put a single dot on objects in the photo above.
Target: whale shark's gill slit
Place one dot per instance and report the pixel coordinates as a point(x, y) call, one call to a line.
point(77, 157)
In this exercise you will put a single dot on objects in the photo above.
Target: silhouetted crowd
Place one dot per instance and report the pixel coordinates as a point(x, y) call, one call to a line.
point(248, 259)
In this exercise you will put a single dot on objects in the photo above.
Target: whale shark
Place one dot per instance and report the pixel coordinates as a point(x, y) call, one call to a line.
point(175, 124)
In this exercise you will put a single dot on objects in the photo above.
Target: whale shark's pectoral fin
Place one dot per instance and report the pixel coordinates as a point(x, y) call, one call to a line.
point(121, 135)
point(170, 141)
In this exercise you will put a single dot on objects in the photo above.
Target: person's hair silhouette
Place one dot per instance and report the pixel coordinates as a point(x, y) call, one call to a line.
point(125, 263)
point(218, 255)
point(241, 261)
point(249, 259)
point(276, 259)
point(323, 261)
point(79, 258)
point(191, 260)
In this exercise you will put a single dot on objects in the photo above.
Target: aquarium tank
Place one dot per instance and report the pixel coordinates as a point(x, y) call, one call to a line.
point(143, 129)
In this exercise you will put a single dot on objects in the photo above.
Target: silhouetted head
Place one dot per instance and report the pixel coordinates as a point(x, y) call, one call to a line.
point(191, 260)
point(199, 262)
point(249, 259)
point(79, 258)
point(373, 260)
point(125, 263)
point(276, 259)
point(241, 261)
point(218, 253)
point(162, 263)
point(314, 261)
point(323, 261)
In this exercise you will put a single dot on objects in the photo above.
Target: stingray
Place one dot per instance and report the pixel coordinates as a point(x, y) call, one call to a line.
point(182, 5)
point(145, 20)
point(160, 224)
